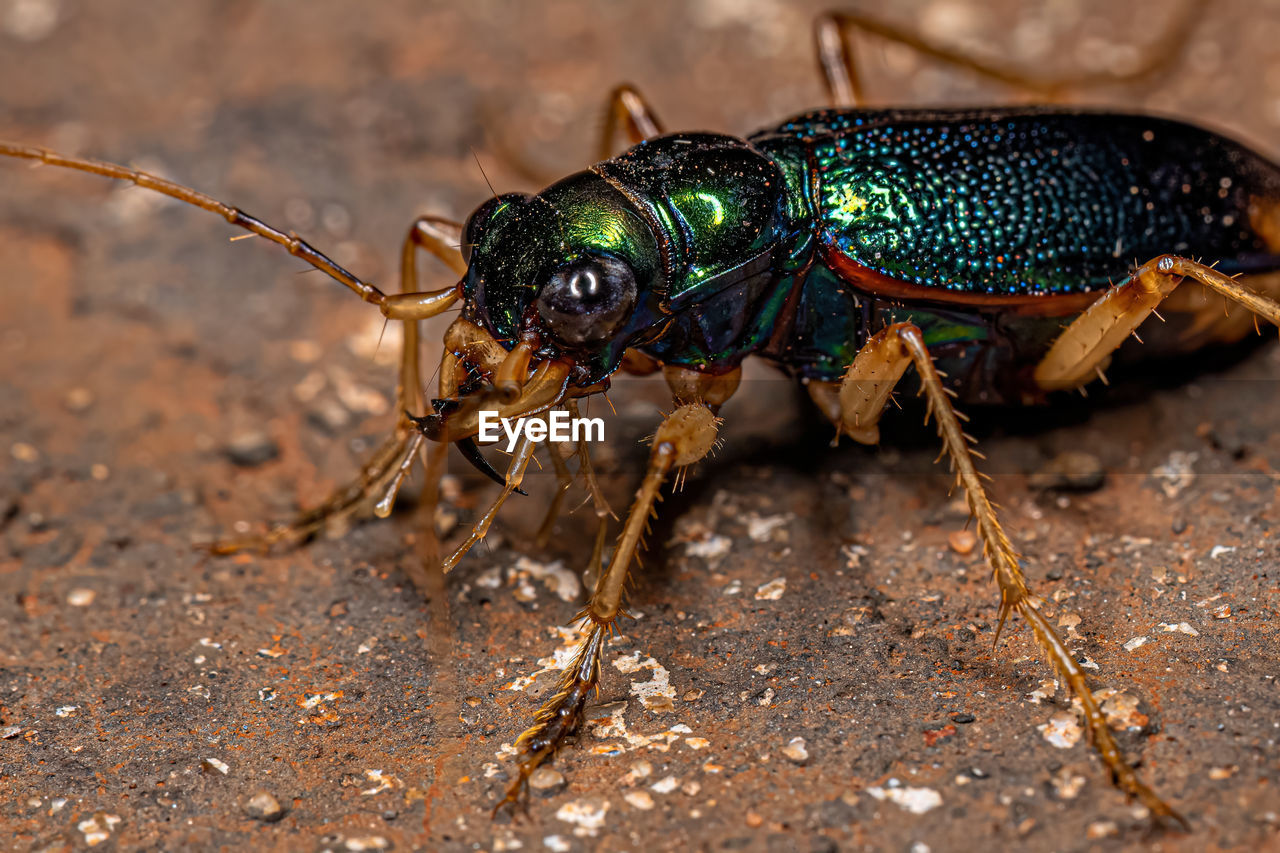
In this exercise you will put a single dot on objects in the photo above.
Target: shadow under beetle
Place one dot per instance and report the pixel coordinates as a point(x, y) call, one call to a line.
point(979, 246)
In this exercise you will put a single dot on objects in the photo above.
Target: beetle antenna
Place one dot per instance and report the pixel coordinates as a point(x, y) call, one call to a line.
point(480, 166)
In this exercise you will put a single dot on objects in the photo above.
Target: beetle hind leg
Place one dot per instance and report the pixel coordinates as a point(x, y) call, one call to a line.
point(1087, 343)
point(867, 385)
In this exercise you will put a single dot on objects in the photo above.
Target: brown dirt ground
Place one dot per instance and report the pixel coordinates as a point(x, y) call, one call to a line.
point(136, 344)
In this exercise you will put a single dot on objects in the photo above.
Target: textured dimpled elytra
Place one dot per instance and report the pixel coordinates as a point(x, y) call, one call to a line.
point(1005, 202)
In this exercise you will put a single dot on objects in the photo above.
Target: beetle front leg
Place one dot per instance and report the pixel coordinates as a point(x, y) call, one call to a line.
point(684, 437)
point(1084, 346)
point(876, 369)
point(382, 473)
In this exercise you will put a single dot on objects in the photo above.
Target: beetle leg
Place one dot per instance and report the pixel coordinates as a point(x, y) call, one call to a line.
point(627, 108)
point(684, 437)
point(382, 474)
point(515, 474)
point(866, 386)
point(564, 481)
point(844, 87)
point(1089, 341)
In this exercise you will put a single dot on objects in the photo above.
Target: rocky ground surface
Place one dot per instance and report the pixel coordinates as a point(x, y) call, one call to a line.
point(811, 665)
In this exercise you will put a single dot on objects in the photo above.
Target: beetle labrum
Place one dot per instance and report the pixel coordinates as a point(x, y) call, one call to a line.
point(976, 246)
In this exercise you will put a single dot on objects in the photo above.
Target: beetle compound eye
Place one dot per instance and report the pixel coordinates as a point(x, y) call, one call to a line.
point(586, 300)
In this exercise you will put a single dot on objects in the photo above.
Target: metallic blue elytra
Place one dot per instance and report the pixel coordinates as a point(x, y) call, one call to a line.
point(989, 229)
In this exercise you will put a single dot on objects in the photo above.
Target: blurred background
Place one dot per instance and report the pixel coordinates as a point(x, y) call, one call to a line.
point(158, 385)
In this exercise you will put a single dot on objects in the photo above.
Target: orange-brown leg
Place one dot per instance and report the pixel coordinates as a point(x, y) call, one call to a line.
point(1084, 347)
point(382, 474)
point(844, 85)
point(684, 437)
point(876, 369)
point(627, 109)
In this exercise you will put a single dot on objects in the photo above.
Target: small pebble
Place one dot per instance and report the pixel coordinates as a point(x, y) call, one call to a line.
point(264, 807)
point(754, 820)
point(962, 541)
point(1070, 472)
point(546, 781)
point(795, 750)
point(24, 452)
point(251, 448)
point(962, 718)
point(81, 597)
point(79, 400)
point(641, 800)
point(214, 765)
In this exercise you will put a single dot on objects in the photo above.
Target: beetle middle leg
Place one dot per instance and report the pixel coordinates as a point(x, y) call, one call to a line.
point(1084, 346)
point(870, 379)
point(384, 471)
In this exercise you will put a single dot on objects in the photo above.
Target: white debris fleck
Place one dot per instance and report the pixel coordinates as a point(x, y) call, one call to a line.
point(1062, 730)
point(796, 750)
point(656, 694)
point(9, 732)
point(665, 785)
point(914, 800)
point(216, 764)
point(853, 555)
point(208, 643)
point(587, 815)
point(772, 590)
point(733, 588)
point(1135, 643)
point(1067, 785)
point(311, 700)
point(1044, 692)
point(641, 800)
point(81, 597)
point(639, 770)
point(760, 529)
point(362, 843)
point(1219, 550)
point(711, 548)
point(381, 782)
point(697, 742)
point(557, 844)
point(506, 841)
point(562, 582)
point(273, 652)
point(67, 710)
point(1176, 473)
point(98, 828)
point(367, 646)
point(1180, 628)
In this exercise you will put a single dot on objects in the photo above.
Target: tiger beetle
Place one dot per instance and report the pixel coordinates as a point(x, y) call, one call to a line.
point(985, 248)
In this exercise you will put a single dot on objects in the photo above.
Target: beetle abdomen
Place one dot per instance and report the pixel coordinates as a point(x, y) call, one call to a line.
point(1026, 202)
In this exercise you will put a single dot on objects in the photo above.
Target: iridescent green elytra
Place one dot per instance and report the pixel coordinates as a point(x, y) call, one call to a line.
point(982, 227)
